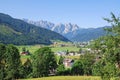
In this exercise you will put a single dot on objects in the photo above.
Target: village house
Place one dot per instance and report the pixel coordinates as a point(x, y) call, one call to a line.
point(68, 62)
point(61, 53)
point(25, 53)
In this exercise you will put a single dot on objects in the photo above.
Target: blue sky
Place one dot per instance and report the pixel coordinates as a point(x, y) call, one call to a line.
point(84, 13)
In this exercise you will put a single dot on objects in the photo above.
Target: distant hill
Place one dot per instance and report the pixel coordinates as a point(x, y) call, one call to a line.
point(16, 31)
point(88, 34)
point(71, 31)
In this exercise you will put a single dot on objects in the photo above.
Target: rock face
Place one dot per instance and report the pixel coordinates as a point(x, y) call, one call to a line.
point(71, 31)
point(64, 29)
point(41, 23)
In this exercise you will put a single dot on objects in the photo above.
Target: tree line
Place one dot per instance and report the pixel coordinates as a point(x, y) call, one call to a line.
point(42, 63)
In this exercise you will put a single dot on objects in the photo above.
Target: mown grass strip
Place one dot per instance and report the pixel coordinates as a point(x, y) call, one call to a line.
point(67, 78)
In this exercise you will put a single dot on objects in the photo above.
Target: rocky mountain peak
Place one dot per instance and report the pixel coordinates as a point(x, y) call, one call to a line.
point(59, 28)
point(71, 31)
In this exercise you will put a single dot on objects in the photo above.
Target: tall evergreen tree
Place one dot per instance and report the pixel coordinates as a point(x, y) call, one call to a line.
point(13, 63)
point(27, 68)
point(43, 62)
point(61, 59)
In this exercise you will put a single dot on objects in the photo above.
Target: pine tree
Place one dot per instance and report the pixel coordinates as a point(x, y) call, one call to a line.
point(27, 68)
point(13, 63)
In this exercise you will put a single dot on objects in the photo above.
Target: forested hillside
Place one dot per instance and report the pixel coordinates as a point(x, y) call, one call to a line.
point(16, 31)
point(89, 34)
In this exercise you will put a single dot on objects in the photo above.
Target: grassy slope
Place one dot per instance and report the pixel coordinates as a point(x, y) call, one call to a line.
point(7, 30)
point(67, 78)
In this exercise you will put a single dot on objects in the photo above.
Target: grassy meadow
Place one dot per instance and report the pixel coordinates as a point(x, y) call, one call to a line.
point(71, 48)
point(33, 48)
point(73, 57)
point(67, 78)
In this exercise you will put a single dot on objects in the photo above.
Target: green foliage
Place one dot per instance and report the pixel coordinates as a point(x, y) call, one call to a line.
point(27, 68)
point(10, 64)
point(2, 54)
point(44, 62)
point(23, 49)
point(109, 47)
point(67, 52)
point(97, 69)
point(87, 61)
point(61, 59)
point(60, 69)
point(13, 62)
point(2, 74)
point(108, 71)
point(83, 66)
point(80, 50)
point(77, 68)
point(2, 61)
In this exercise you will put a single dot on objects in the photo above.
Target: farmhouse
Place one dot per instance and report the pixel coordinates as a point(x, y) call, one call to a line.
point(68, 62)
point(25, 53)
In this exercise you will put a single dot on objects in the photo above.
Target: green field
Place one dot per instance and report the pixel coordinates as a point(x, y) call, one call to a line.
point(33, 48)
point(72, 48)
point(73, 57)
point(67, 78)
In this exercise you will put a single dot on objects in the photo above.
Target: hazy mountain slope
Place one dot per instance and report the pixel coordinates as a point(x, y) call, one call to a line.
point(70, 31)
point(16, 31)
point(88, 34)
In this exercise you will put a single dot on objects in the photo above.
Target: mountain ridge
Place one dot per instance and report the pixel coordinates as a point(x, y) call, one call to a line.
point(28, 33)
point(68, 27)
point(71, 31)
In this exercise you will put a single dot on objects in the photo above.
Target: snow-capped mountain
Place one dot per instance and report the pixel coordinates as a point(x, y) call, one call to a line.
point(41, 23)
point(71, 31)
point(63, 29)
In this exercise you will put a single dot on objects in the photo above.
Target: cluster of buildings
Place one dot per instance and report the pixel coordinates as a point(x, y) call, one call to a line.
point(67, 61)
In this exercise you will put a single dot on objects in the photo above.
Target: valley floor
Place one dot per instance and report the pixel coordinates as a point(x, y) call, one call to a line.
point(67, 78)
